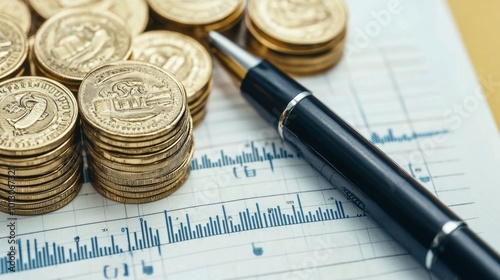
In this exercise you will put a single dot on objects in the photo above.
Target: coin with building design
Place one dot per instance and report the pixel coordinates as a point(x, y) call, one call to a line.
point(137, 131)
point(71, 43)
point(131, 99)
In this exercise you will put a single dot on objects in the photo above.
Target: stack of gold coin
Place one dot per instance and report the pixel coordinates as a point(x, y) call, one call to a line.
point(184, 57)
point(197, 17)
point(301, 37)
point(134, 12)
point(137, 131)
point(40, 159)
point(71, 43)
point(13, 49)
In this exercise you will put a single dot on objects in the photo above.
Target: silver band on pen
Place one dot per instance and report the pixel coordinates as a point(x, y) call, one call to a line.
point(447, 229)
point(288, 110)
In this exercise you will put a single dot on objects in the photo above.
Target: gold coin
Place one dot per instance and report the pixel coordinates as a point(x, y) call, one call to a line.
point(276, 45)
point(36, 115)
point(28, 188)
point(26, 205)
point(131, 99)
point(37, 160)
point(155, 197)
point(115, 147)
point(129, 147)
point(73, 42)
point(18, 11)
point(38, 194)
point(48, 8)
point(202, 100)
point(46, 73)
point(147, 158)
point(203, 94)
point(134, 12)
point(141, 185)
point(14, 210)
point(130, 175)
point(301, 22)
point(21, 182)
point(226, 25)
point(198, 118)
point(155, 189)
point(13, 48)
point(201, 107)
point(179, 54)
point(298, 64)
point(170, 162)
point(41, 169)
point(194, 12)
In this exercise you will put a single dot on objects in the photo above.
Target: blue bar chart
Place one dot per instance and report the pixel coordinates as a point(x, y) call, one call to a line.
point(391, 137)
point(265, 153)
point(33, 254)
point(251, 220)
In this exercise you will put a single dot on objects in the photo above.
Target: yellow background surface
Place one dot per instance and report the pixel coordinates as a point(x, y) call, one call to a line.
point(479, 22)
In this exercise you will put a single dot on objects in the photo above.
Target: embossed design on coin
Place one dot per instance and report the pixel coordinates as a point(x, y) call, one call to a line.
point(299, 21)
point(177, 53)
point(31, 108)
point(195, 12)
point(131, 99)
point(13, 48)
point(36, 115)
point(74, 42)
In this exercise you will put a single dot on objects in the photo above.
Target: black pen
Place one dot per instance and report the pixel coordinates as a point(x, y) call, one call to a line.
point(435, 236)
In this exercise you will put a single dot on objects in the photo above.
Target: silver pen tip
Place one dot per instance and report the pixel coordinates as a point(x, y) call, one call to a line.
point(232, 51)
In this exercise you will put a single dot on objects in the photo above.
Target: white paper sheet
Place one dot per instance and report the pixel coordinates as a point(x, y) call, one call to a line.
point(405, 82)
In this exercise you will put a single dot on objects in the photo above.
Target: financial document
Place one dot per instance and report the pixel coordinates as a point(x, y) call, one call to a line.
point(254, 209)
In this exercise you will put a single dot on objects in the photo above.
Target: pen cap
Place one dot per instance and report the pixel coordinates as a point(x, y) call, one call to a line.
point(269, 90)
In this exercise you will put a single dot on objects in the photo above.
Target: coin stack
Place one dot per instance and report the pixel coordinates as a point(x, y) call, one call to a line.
point(300, 37)
point(71, 43)
point(134, 12)
point(137, 131)
point(13, 49)
point(197, 17)
point(184, 57)
point(40, 159)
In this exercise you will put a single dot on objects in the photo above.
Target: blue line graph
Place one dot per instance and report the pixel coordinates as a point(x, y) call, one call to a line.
point(31, 254)
point(390, 137)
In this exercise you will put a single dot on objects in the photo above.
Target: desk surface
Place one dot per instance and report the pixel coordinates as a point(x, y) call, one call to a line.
point(478, 22)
